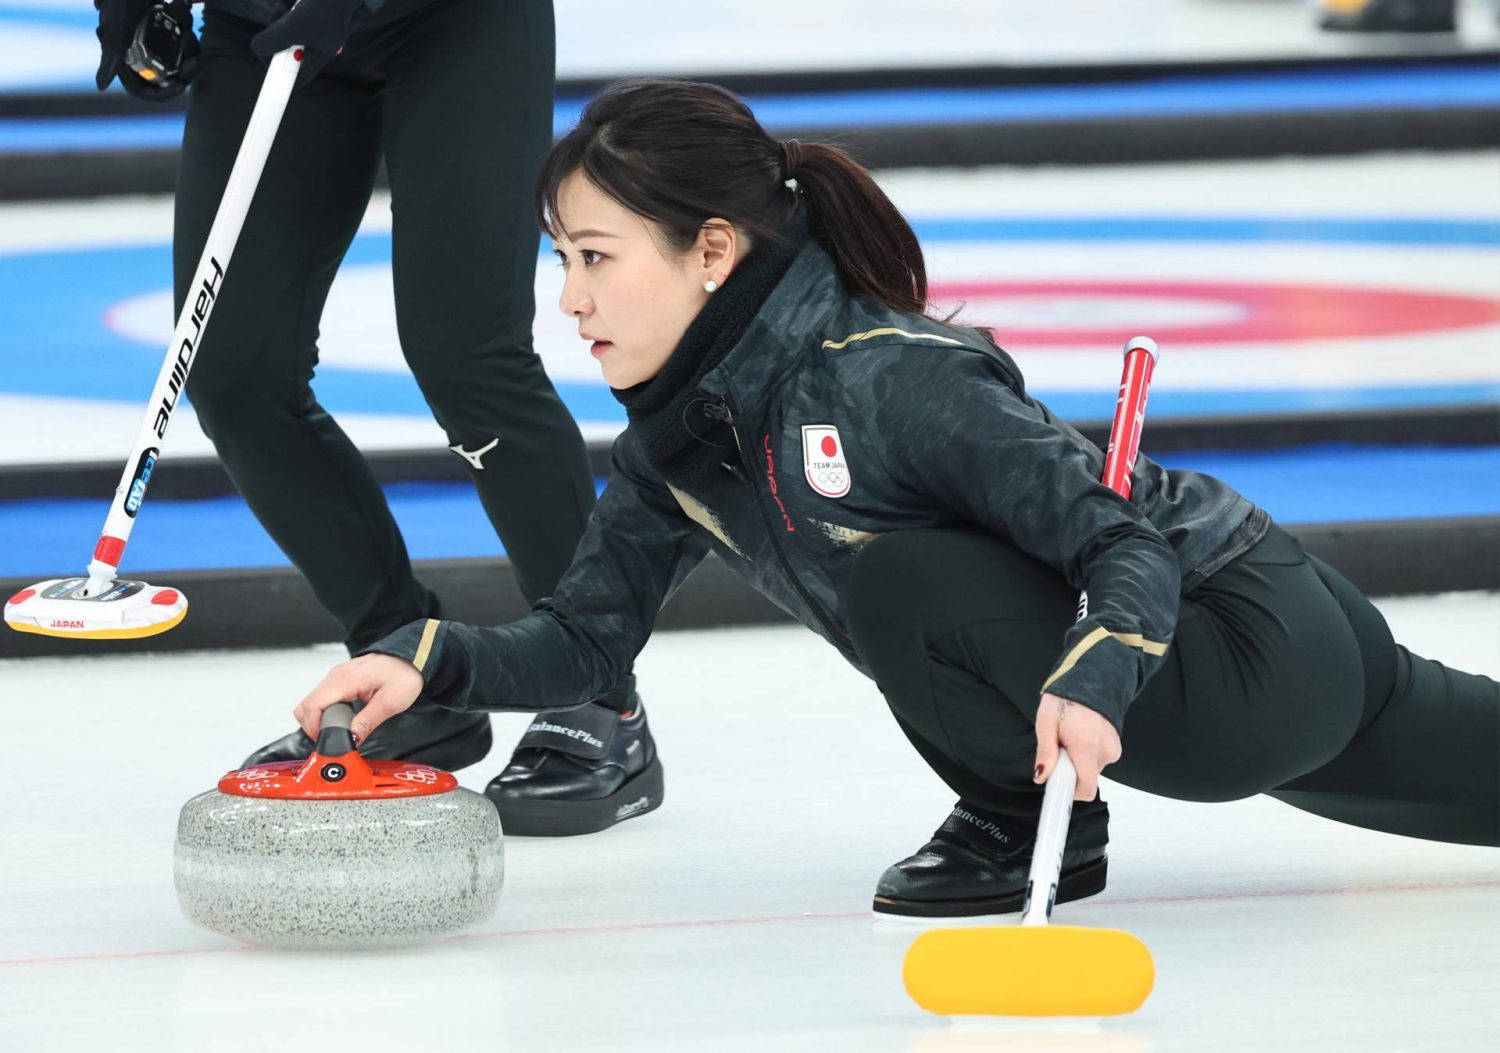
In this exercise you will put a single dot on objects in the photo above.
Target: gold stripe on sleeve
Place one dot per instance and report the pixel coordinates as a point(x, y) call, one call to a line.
point(1099, 633)
point(1151, 647)
point(424, 647)
point(839, 345)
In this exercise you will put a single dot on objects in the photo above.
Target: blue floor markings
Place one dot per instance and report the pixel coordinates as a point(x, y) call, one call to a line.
point(53, 538)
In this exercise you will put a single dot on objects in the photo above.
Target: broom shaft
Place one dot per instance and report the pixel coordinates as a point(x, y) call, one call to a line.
point(171, 380)
point(1057, 799)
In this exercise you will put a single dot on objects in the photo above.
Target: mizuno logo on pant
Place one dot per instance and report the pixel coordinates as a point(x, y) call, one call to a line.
point(474, 456)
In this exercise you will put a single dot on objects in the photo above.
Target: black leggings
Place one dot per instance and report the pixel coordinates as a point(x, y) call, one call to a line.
point(457, 99)
point(1281, 679)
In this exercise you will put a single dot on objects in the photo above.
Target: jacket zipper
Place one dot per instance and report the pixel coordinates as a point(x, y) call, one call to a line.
point(730, 413)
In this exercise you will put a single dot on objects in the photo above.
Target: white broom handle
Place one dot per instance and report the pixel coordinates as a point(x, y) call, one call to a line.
point(208, 281)
point(1051, 838)
point(1057, 800)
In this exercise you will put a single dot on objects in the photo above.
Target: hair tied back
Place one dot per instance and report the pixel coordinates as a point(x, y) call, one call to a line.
point(678, 153)
point(791, 158)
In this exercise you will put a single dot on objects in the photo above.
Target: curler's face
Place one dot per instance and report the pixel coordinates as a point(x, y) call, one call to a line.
point(631, 295)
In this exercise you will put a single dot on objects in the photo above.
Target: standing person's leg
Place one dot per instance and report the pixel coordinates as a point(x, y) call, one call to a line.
point(1425, 761)
point(1262, 683)
point(250, 386)
point(468, 119)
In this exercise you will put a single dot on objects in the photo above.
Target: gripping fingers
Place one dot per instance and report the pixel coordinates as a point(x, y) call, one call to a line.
point(1046, 741)
point(389, 686)
point(386, 685)
point(1089, 739)
point(1087, 787)
point(337, 686)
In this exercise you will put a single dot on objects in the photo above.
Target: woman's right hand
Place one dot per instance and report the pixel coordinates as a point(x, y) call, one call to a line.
point(385, 684)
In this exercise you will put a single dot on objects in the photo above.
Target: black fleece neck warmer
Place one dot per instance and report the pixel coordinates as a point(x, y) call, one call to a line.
point(667, 412)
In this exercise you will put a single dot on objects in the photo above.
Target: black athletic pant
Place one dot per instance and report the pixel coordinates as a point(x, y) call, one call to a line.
point(1281, 679)
point(457, 99)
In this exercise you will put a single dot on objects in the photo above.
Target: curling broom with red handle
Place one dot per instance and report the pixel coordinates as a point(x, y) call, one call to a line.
point(1034, 968)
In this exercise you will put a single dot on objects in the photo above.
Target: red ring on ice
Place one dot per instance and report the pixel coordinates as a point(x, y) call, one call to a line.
point(1269, 312)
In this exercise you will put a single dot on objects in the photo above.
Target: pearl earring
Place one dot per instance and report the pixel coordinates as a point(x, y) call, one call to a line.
point(710, 286)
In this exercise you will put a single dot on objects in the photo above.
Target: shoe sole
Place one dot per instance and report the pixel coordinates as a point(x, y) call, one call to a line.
point(529, 817)
point(1079, 883)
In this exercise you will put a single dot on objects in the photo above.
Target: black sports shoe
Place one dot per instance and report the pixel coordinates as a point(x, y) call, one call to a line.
point(579, 770)
point(976, 864)
point(424, 734)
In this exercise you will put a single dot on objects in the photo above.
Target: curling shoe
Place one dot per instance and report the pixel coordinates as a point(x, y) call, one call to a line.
point(976, 865)
point(424, 734)
point(579, 770)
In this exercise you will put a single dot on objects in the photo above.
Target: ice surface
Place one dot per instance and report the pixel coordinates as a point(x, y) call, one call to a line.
point(734, 918)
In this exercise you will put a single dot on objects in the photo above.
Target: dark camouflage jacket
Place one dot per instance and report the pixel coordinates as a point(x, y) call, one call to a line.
point(264, 12)
point(933, 429)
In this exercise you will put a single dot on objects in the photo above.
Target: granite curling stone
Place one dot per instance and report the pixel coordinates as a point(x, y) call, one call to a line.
point(338, 852)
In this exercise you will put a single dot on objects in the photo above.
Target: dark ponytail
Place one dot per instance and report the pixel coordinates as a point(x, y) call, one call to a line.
point(679, 153)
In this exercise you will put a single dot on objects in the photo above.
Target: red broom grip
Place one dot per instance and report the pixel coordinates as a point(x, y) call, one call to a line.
point(1130, 414)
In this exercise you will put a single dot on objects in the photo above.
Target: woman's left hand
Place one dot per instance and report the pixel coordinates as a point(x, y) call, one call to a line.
point(1090, 739)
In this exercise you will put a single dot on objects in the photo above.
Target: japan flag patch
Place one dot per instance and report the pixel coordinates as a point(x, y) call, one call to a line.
point(823, 460)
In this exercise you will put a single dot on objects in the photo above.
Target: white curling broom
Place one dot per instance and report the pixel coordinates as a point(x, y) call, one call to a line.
point(102, 606)
point(1037, 969)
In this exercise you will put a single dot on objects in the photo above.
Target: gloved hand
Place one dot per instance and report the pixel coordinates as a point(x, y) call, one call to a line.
point(319, 26)
point(117, 23)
